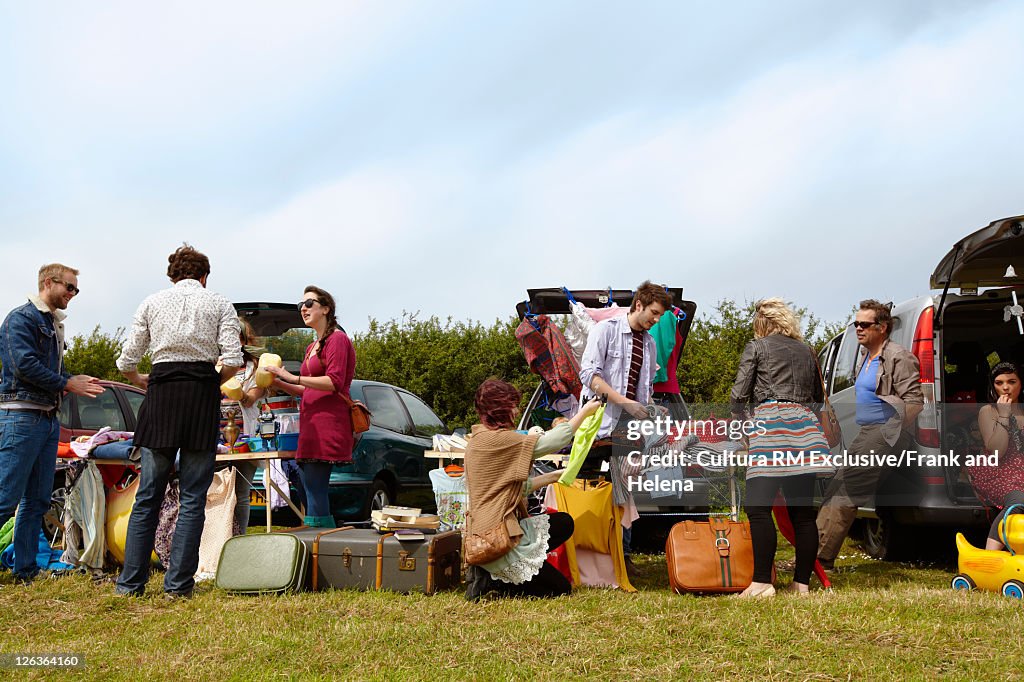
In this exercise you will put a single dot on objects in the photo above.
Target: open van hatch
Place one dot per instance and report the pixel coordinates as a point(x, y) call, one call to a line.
point(981, 259)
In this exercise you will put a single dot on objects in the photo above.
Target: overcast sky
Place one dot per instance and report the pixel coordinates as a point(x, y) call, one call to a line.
point(443, 157)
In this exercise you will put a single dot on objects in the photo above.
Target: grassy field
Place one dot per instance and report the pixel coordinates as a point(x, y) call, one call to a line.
point(882, 621)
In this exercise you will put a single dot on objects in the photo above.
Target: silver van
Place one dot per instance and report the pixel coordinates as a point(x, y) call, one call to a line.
point(970, 323)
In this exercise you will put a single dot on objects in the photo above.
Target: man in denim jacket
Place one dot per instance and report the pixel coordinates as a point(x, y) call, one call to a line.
point(33, 382)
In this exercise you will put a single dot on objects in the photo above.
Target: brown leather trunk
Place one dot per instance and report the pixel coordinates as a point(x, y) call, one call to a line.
point(364, 559)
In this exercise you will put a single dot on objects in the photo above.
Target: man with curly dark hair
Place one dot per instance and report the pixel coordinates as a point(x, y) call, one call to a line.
point(186, 328)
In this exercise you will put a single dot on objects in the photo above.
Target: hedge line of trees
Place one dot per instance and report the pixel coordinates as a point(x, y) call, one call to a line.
point(444, 361)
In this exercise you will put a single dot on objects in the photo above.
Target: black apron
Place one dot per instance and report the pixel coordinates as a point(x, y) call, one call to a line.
point(182, 407)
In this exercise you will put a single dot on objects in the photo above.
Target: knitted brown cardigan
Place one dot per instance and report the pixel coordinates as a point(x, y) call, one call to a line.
point(497, 464)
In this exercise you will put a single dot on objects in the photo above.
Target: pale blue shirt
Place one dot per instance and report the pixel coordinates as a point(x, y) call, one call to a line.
point(608, 352)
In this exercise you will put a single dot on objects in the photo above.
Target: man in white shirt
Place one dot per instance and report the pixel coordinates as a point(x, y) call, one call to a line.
point(186, 328)
point(619, 362)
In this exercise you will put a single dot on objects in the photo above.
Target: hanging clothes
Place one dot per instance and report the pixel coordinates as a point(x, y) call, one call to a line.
point(598, 526)
point(664, 333)
point(585, 436)
point(85, 513)
point(671, 382)
point(452, 498)
point(577, 328)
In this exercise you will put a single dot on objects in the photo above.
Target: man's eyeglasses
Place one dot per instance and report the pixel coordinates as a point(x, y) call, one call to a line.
point(864, 325)
point(308, 303)
point(72, 289)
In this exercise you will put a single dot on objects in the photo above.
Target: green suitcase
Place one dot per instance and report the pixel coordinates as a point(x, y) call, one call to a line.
point(262, 564)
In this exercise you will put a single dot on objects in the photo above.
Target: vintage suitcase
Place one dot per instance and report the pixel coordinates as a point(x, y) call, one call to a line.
point(263, 563)
point(364, 559)
point(710, 556)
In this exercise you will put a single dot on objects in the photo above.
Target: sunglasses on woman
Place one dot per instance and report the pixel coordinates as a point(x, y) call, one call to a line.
point(308, 303)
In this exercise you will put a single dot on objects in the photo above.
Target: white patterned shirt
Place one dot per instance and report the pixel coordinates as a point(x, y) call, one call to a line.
point(186, 323)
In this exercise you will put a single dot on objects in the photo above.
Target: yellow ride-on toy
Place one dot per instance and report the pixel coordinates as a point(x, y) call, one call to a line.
point(997, 571)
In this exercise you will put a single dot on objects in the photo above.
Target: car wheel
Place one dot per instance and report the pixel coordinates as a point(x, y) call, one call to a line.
point(962, 582)
point(52, 519)
point(380, 496)
point(1013, 588)
point(885, 539)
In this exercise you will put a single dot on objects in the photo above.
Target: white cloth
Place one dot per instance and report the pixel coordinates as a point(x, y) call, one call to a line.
point(220, 517)
point(277, 475)
point(250, 415)
point(526, 559)
point(577, 329)
point(85, 512)
point(185, 323)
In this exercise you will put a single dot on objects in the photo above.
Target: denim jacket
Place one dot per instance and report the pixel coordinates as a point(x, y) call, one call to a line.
point(32, 357)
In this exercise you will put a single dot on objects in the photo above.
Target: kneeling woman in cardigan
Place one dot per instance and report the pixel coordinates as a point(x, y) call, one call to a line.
point(498, 464)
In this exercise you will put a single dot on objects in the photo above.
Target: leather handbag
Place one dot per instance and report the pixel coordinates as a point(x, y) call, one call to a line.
point(360, 414)
point(713, 556)
point(827, 415)
point(483, 548)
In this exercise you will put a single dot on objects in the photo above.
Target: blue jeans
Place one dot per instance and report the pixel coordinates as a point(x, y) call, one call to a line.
point(316, 479)
point(28, 456)
point(194, 478)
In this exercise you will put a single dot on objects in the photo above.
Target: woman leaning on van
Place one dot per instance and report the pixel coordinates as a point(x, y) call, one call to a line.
point(325, 423)
point(498, 464)
point(778, 373)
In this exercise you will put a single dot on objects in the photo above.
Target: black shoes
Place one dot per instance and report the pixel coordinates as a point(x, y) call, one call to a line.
point(479, 584)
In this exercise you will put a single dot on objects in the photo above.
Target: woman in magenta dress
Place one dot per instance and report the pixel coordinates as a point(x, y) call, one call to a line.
point(325, 425)
point(1000, 423)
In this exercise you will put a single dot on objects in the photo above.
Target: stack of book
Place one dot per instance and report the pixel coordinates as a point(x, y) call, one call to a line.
point(452, 443)
point(407, 523)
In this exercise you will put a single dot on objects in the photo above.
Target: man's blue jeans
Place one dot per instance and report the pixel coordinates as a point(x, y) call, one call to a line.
point(28, 456)
point(194, 478)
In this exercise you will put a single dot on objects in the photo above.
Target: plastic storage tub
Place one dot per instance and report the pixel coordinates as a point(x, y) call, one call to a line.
point(287, 442)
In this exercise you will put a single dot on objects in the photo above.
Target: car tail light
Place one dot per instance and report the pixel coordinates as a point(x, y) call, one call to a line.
point(924, 350)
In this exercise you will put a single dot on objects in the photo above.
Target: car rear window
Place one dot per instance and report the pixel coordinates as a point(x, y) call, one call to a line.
point(103, 410)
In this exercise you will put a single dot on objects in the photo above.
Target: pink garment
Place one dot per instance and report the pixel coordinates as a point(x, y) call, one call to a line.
point(596, 569)
point(325, 425)
point(599, 314)
point(104, 435)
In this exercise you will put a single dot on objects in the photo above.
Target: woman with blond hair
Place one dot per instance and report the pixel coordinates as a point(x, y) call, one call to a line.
point(778, 374)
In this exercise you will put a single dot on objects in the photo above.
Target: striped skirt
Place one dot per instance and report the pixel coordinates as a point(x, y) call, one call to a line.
point(793, 442)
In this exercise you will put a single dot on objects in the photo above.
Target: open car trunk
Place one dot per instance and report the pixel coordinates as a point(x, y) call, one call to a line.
point(555, 301)
point(281, 329)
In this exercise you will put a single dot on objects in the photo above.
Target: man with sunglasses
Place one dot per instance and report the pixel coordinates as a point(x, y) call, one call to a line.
point(33, 383)
point(889, 398)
